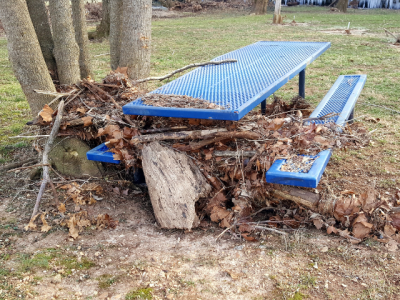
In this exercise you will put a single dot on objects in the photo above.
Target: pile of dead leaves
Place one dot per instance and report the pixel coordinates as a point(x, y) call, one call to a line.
point(78, 220)
point(233, 156)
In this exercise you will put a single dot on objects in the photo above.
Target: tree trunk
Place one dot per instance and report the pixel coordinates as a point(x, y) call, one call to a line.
point(260, 7)
point(103, 30)
point(277, 14)
point(175, 183)
point(81, 37)
point(25, 54)
point(342, 5)
point(38, 12)
point(136, 38)
point(66, 49)
point(115, 32)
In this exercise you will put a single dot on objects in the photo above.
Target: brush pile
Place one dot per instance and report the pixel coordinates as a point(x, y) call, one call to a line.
point(233, 157)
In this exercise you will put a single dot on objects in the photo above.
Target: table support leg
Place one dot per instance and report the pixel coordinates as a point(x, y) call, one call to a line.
point(302, 84)
point(264, 107)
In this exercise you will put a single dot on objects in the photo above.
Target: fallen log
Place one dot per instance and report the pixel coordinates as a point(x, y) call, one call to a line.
point(175, 183)
point(322, 205)
point(182, 135)
point(19, 164)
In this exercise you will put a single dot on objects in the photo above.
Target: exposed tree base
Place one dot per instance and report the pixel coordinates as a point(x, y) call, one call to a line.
point(278, 19)
point(175, 183)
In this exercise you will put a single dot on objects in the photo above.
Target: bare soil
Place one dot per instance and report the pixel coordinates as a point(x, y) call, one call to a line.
point(138, 256)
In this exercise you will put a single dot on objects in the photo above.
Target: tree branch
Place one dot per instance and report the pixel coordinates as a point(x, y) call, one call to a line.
point(185, 68)
point(47, 148)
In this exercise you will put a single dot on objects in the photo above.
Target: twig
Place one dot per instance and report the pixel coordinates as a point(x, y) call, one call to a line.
point(58, 95)
point(396, 37)
point(18, 164)
point(101, 54)
point(50, 141)
point(27, 136)
point(270, 229)
point(185, 68)
point(384, 107)
point(28, 167)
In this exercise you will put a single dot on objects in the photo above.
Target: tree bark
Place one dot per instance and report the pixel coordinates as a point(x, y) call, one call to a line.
point(103, 30)
point(342, 5)
point(136, 38)
point(81, 37)
point(260, 7)
point(277, 14)
point(66, 49)
point(175, 183)
point(115, 32)
point(38, 12)
point(25, 54)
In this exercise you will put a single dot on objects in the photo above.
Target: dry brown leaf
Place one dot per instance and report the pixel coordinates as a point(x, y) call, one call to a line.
point(45, 226)
point(389, 230)
point(87, 121)
point(104, 221)
point(122, 70)
point(73, 230)
point(218, 213)
point(392, 246)
point(345, 209)
point(331, 229)
point(368, 200)
point(362, 229)
point(318, 223)
point(249, 238)
point(224, 223)
point(233, 275)
point(81, 110)
point(61, 208)
point(47, 113)
point(31, 225)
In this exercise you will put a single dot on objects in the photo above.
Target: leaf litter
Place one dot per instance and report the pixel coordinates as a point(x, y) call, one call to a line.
point(240, 190)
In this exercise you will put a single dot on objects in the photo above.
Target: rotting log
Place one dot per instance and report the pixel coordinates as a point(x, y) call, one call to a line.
point(175, 183)
point(312, 201)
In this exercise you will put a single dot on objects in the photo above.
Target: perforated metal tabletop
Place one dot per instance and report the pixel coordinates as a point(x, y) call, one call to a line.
point(261, 69)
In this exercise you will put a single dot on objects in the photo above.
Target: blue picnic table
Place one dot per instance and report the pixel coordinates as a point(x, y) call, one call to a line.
point(261, 69)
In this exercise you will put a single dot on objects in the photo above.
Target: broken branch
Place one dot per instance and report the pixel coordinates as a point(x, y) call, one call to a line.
point(47, 148)
point(185, 68)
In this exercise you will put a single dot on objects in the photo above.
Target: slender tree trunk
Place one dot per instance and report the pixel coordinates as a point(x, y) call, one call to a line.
point(81, 37)
point(136, 38)
point(103, 30)
point(115, 32)
point(342, 5)
point(38, 12)
point(66, 49)
point(277, 14)
point(260, 7)
point(25, 53)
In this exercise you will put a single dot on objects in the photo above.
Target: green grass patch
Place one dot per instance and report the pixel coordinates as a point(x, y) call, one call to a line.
point(72, 263)
point(143, 293)
point(106, 280)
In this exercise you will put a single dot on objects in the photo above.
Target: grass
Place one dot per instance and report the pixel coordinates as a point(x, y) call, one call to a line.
point(143, 293)
point(106, 280)
point(181, 41)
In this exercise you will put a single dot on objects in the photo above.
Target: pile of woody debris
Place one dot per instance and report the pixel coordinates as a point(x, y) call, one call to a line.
point(228, 161)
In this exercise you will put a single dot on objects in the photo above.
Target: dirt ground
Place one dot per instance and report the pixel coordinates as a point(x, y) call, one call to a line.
point(138, 260)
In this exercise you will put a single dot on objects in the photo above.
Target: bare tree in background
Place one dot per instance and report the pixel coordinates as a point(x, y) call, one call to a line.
point(260, 7)
point(81, 37)
point(115, 32)
point(342, 5)
point(38, 13)
point(66, 50)
point(25, 53)
point(136, 38)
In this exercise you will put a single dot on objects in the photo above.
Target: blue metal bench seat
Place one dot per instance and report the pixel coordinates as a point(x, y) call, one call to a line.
point(341, 99)
point(101, 153)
